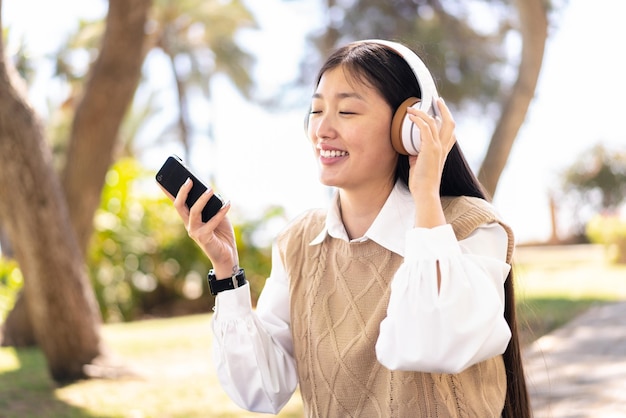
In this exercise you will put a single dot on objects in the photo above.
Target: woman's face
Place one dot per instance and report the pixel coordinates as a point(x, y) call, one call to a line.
point(349, 127)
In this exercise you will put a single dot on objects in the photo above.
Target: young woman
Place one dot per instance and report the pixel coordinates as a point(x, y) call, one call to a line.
point(396, 301)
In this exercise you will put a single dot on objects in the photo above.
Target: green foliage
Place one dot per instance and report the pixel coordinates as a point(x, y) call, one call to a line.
point(254, 258)
point(198, 37)
point(141, 259)
point(203, 35)
point(598, 177)
point(609, 230)
point(595, 183)
point(11, 281)
point(467, 55)
point(140, 254)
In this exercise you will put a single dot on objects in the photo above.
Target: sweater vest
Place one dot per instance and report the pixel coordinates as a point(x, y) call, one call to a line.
point(339, 293)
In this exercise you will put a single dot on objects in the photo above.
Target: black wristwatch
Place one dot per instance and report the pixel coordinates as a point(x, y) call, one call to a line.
point(217, 286)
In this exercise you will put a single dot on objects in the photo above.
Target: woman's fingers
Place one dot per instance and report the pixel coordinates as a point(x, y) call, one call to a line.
point(438, 128)
point(216, 236)
point(446, 131)
point(180, 200)
point(426, 123)
point(195, 213)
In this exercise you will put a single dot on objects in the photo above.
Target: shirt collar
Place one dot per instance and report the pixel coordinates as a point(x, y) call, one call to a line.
point(388, 229)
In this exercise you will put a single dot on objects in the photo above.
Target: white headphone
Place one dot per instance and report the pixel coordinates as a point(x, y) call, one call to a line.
point(405, 136)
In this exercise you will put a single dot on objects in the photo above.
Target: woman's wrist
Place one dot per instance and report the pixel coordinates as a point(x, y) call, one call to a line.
point(225, 271)
point(428, 210)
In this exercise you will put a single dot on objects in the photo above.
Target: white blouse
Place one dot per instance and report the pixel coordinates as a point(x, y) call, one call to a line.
point(463, 321)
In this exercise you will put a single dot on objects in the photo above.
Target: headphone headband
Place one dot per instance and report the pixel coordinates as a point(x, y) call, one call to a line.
point(405, 135)
point(424, 78)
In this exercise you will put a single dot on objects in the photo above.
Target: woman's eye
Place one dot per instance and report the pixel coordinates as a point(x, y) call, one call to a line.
point(315, 112)
point(344, 112)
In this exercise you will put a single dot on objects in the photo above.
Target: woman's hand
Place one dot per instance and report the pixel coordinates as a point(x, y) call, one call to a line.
point(437, 136)
point(216, 237)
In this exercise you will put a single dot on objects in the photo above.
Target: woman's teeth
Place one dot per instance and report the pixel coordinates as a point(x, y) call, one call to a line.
point(332, 153)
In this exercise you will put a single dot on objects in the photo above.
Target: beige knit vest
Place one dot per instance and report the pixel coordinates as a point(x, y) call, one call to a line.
point(339, 293)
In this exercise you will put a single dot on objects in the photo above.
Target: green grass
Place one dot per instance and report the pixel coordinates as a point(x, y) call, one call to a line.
point(538, 316)
point(555, 284)
point(173, 356)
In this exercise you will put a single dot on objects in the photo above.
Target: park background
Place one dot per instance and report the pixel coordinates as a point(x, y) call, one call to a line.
point(577, 104)
point(261, 157)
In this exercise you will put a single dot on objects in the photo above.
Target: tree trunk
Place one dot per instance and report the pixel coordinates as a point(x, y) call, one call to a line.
point(108, 93)
point(61, 304)
point(17, 330)
point(534, 31)
point(50, 234)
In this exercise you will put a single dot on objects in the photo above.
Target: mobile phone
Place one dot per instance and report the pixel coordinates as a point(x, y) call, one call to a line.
point(173, 174)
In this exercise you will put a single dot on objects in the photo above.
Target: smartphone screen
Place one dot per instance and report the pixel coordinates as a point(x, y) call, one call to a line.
point(173, 174)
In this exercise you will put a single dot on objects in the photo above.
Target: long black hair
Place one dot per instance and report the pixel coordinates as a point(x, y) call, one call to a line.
point(384, 69)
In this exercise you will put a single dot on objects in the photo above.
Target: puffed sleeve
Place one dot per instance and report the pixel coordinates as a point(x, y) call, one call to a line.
point(253, 349)
point(448, 328)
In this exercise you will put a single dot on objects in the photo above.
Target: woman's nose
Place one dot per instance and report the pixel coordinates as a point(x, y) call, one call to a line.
point(323, 126)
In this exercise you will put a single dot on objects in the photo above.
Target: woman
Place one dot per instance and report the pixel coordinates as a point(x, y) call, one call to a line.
point(397, 301)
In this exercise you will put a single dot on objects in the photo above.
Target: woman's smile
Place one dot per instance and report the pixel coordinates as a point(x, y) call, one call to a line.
point(332, 155)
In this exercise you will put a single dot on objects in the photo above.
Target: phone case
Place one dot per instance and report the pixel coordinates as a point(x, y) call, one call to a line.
point(173, 174)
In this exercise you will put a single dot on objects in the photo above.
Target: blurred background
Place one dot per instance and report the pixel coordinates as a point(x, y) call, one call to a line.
point(536, 89)
point(576, 105)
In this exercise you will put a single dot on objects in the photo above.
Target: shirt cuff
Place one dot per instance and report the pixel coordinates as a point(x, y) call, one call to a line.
point(431, 243)
point(232, 304)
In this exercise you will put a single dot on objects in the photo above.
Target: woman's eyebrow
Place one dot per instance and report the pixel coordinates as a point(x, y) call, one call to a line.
point(347, 95)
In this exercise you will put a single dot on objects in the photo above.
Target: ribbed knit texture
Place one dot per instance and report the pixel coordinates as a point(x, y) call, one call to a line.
point(339, 293)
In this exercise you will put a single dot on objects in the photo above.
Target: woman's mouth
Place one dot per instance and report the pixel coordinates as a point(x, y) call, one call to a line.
point(332, 153)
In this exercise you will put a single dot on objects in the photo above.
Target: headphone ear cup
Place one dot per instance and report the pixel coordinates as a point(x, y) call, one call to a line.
point(399, 140)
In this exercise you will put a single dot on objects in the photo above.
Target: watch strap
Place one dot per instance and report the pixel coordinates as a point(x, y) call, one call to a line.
point(216, 286)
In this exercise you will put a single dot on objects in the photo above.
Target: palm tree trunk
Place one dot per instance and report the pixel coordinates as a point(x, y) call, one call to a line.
point(50, 233)
point(61, 305)
point(108, 93)
point(534, 31)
